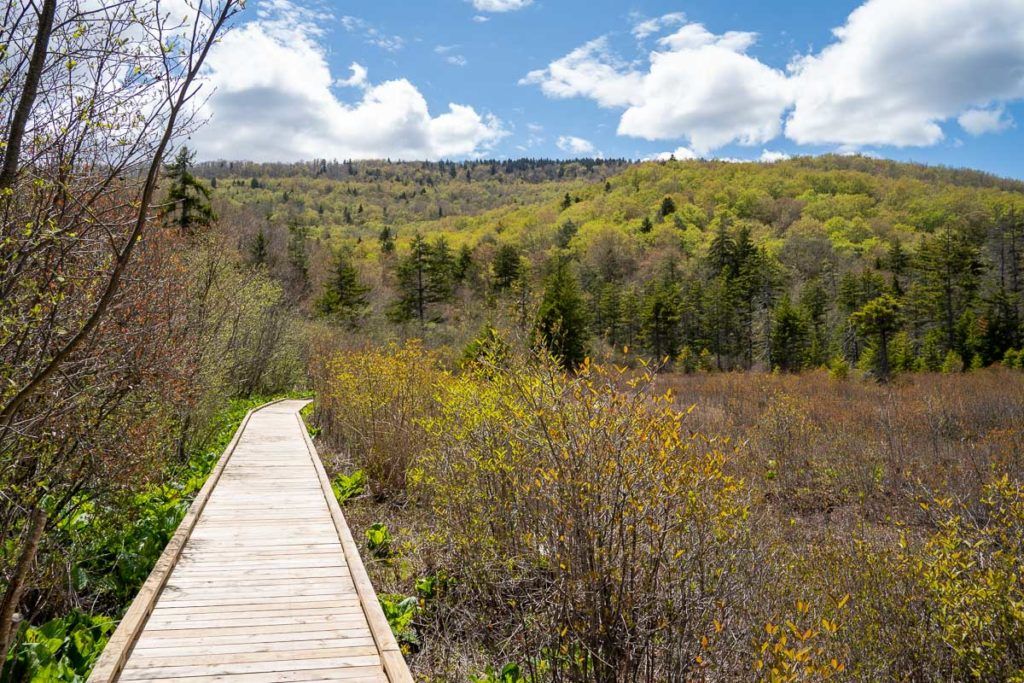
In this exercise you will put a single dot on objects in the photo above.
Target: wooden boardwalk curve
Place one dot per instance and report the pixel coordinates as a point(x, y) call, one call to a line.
point(262, 581)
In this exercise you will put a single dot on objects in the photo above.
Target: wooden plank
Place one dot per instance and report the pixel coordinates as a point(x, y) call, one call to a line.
point(363, 674)
point(395, 666)
point(178, 658)
point(263, 587)
point(116, 652)
point(248, 667)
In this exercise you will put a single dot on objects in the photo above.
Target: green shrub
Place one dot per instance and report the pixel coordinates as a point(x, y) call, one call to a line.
point(348, 486)
point(400, 610)
point(378, 541)
point(62, 649)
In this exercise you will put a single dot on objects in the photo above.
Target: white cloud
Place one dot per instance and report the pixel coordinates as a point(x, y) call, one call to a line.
point(371, 34)
point(591, 71)
point(356, 80)
point(273, 100)
point(702, 87)
point(895, 73)
point(647, 27)
point(770, 157)
point(570, 144)
point(899, 68)
point(500, 5)
point(680, 154)
point(480, 19)
point(456, 60)
point(981, 121)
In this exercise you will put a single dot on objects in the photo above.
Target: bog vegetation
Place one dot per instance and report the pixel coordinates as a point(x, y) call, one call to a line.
point(593, 420)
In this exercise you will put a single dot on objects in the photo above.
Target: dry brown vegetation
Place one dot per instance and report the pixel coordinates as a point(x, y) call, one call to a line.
point(614, 526)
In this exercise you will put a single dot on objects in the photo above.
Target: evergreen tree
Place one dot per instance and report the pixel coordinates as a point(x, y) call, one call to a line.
point(298, 260)
point(440, 271)
point(188, 198)
point(565, 234)
point(659, 319)
point(721, 256)
point(897, 260)
point(566, 202)
point(814, 302)
point(562, 319)
point(879, 319)
point(463, 263)
point(789, 338)
point(387, 241)
point(258, 248)
point(949, 269)
point(507, 266)
point(413, 294)
point(344, 296)
point(668, 207)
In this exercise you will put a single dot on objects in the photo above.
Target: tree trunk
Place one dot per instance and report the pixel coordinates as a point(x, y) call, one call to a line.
point(12, 596)
point(36, 65)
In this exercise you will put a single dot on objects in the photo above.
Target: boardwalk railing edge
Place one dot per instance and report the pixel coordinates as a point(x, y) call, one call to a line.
point(395, 666)
point(114, 656)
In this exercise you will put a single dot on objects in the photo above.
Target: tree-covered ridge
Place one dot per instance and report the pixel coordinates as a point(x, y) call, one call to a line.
point(709, 264)
point(358, 197)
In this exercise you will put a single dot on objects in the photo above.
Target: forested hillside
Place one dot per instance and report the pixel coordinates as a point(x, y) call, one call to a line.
point(712, 265)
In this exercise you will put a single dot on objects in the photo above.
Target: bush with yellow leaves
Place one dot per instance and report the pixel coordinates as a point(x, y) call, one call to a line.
point(370, 404)
point(584, 523)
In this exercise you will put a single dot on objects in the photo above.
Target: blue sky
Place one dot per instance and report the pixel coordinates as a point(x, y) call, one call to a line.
point(936, 81)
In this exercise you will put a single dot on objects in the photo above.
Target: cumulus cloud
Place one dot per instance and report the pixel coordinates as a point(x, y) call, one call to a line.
point(769, 157)
point(700, 86)
point(680, 154)
point(570, 144)
point(899, 68)
point(500, 5)
point(273, 100)
point(896, 71)
point(981, 121)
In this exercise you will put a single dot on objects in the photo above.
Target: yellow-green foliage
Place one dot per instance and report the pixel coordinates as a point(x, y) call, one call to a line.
point(582, 507)
point(970, 576)
point(369, 403)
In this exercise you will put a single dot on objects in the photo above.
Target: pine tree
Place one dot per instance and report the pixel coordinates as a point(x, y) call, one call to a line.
point(258, 248)
point(659, 319)
point(507, 266)
point(721, 256)
point(789, 338)
point(387, 241)
point(814, 303)
point(188, 198)
point(562, 320)
point(440, 271)
point(463, 263)
point(412, 284)
point(880, 319)
point(668, 207)
point(298, 260)
point(949, 269)
point(344, 296)
point(566, 201)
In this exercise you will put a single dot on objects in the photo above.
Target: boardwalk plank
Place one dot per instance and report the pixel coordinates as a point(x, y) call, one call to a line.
point(262, 589)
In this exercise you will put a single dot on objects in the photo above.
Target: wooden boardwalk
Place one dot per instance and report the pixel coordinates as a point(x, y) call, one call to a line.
point(262, 581)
